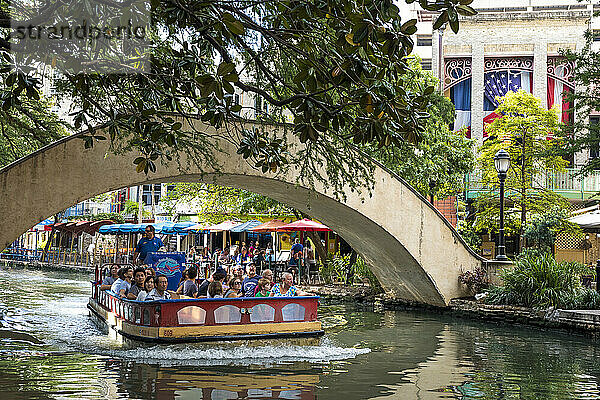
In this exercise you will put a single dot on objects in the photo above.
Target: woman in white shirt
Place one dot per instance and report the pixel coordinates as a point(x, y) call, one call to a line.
point(148, 286)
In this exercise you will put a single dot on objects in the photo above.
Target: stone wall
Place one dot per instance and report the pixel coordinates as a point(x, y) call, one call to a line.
point(578, 320)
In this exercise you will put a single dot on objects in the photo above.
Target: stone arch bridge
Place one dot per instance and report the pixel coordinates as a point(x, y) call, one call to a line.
point(416, 254)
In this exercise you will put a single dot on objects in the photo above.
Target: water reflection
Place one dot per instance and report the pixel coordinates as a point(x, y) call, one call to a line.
point(50, 349)
point(146, 381)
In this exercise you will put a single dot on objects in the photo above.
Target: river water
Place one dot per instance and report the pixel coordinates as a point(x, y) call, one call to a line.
point(50, 349)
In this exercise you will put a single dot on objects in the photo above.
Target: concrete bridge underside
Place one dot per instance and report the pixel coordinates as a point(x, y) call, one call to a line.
point(411, 248)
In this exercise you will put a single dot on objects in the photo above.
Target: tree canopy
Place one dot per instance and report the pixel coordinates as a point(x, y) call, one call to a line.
point(437, 164)
point(337, 67)
point(523, 131)
point(217, 203)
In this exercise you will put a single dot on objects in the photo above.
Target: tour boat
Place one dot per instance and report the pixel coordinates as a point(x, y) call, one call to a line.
point(196, 320)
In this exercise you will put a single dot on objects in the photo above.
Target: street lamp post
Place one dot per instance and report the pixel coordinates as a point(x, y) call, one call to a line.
point(502, 163)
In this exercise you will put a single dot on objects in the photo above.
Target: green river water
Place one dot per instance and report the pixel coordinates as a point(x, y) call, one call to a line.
point(50, 349)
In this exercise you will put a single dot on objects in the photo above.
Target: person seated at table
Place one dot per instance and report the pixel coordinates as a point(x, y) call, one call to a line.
point(234, 288)
point(148, 286)
point(263, 288)
point(189, 286)
point(122, 285)
point(224, 256)
point(138, 283)
point(270, 257)
point(253, 249)
point(259, 258)
point(215, 289)
point(160, 291)
point(205, 255)
point(191, 254)
point(286, 288)
point(243, 257)
point(111, 278)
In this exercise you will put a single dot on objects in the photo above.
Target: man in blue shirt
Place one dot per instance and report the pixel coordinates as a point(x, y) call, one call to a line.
point(250, 282)
point(147, 244)
point(295, 261)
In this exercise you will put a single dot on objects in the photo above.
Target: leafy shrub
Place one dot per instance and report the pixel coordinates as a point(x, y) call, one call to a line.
point(541, 233)
point(476, 281)
point(538, 280)
point(336, 270)
point(585, 299)
point(470, 236)
point(115, 217)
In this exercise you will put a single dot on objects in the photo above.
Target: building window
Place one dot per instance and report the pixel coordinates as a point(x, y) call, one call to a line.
point(426, 64)
point(147, 194)
point(423, 40)
point(596, 35)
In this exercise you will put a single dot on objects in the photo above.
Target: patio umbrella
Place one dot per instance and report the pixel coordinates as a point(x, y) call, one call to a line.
point(303, 225)
point(246, 226)
point(269, 226)
point(224, 227)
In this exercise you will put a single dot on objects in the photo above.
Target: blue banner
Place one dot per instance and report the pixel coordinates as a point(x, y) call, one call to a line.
point(169, 264)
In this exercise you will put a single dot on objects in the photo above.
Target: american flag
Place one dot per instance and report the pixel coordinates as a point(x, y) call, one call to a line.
point(497, 84)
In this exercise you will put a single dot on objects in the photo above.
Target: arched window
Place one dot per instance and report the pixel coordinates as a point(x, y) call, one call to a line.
point(457, 87)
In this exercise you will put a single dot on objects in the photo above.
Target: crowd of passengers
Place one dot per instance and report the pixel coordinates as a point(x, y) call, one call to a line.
point(142, 284)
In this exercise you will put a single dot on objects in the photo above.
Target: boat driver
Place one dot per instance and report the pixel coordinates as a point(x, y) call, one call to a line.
point(149, 243)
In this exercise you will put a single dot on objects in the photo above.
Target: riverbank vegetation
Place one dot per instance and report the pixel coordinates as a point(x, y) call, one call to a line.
point(538, 280)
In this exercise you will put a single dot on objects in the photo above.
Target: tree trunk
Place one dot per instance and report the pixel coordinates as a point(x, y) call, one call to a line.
point(350, 272)
point(523, 194)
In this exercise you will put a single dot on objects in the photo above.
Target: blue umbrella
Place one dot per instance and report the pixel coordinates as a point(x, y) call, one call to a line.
point(246, 226)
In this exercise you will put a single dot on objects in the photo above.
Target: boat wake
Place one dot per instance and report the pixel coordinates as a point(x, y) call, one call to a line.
point(235, 354)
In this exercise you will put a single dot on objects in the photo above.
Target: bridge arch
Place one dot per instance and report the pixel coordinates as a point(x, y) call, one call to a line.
point(415, 253)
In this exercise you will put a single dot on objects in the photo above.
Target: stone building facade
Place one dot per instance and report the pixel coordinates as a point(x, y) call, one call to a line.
point(513, 41)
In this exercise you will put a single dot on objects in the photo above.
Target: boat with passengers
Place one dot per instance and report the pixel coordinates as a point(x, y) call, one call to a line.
point(205, 319)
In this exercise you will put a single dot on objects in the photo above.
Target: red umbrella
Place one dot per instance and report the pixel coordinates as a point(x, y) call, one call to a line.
point(304, 225)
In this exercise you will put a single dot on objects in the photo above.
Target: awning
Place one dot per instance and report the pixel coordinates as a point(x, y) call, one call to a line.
point(45, 225)
point(178, 228)
point(108, 229)
point(589, 220)
point(246, 226)
point(223, 226)
point(125, 228)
